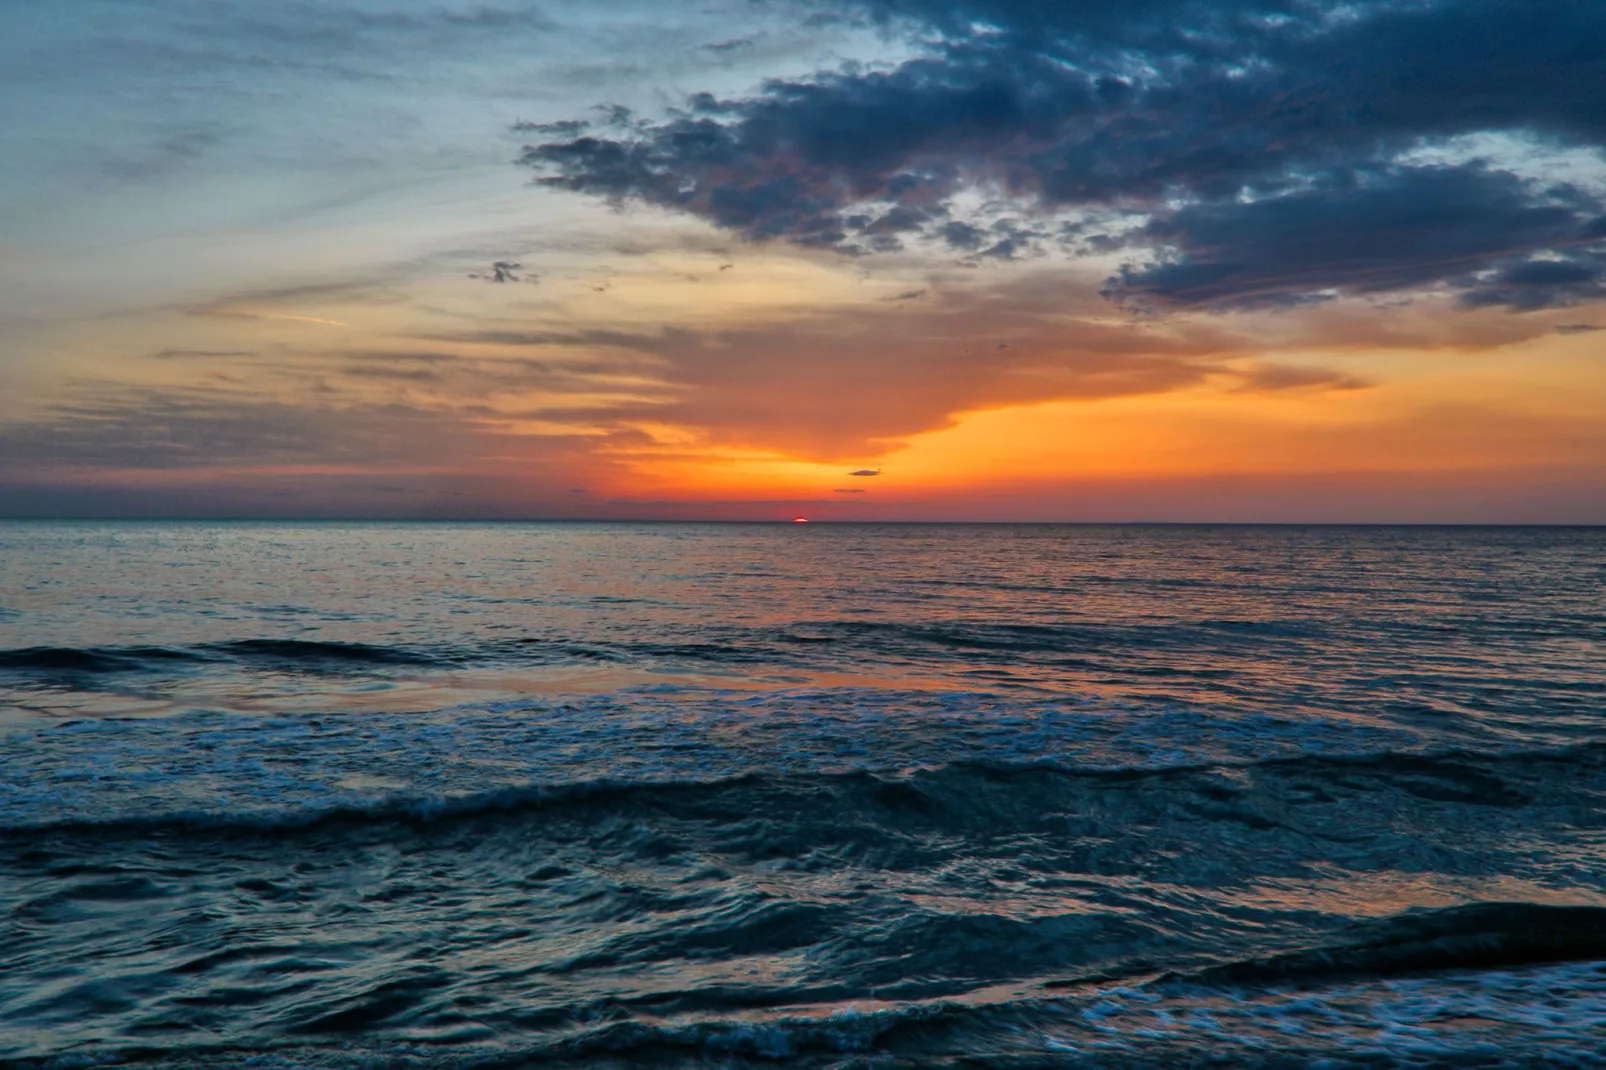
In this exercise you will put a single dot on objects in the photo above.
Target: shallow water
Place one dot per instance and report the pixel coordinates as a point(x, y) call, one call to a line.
point(841, 796)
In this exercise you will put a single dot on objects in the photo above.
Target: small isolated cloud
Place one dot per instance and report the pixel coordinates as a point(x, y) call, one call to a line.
point(1277, 377)
point(735, 44)
point(907, 295)
point(1577, 328)
point(503, 271)
point(865, 472)
point(850, 490)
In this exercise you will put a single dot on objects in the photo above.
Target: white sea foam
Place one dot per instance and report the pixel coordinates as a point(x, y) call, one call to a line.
point(242, 767)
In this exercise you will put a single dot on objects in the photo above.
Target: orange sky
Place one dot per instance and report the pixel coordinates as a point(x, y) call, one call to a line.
point(755, 391)
point(315, 331)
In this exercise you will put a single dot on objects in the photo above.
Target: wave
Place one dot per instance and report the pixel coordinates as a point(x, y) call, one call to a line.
point(1476, 936)
point(304, 653)
point(293, 653)
point(979, 640)
point(972, 794)
point(1361, 1025)
point(958, 973)
point(1546, 1012)
point(1300, 1008)
point(56, 659)
point(802, 641)
point(402, 807)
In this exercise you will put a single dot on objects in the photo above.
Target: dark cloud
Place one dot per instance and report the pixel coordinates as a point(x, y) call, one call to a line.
point(1374, 231)
point(1145, 23)
point(1213, 121)
point(1577, 328)
point(1552, 282)
point(963, 236)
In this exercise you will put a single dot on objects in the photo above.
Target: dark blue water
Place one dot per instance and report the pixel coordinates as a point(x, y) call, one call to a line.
point(871, 796)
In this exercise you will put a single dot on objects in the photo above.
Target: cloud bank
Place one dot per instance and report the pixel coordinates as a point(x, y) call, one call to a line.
point(1234, 154)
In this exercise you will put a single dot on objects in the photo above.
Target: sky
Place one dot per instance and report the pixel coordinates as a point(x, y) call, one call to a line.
point(1104, 260)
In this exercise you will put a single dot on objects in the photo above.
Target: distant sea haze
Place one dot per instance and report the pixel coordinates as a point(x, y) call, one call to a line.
point(818, 795)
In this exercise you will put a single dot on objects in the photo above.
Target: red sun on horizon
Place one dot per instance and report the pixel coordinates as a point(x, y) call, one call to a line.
point(800, 520)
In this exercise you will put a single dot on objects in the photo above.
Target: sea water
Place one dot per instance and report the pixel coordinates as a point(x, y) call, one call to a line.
point(344, 795)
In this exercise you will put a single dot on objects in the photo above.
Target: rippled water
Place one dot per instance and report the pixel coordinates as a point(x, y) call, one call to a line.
point(680, 795)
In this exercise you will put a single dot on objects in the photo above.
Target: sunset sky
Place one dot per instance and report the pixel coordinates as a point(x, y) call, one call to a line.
point(1282, 260)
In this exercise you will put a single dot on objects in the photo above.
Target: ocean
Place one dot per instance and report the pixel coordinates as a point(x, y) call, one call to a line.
point(678, 795)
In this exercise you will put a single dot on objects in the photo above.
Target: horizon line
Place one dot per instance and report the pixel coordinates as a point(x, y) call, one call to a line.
point(789, 522)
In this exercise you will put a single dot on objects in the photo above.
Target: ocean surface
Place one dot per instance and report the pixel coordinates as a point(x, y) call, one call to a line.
point(613, 795)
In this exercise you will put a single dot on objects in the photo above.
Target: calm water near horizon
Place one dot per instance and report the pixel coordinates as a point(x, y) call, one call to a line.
point(823, 795)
